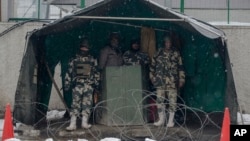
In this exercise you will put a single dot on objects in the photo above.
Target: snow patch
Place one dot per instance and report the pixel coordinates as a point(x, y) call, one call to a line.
point(1, 124)
point(147, 139)
point(1, 127)
point(12, 139)
point(246, 118)
point(110, 139)
point(82, 140)
point(55, 115)
point(230, 24)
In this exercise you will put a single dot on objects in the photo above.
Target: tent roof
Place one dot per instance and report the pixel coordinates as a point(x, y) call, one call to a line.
point(100, 9)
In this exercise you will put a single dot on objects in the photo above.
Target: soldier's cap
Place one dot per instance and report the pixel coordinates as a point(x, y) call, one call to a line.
point(84, 43)
point(115, 35)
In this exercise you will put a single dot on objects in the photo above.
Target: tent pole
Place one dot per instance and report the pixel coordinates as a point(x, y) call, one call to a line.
point(57, 88)
point(126, 18)
point(134, 26)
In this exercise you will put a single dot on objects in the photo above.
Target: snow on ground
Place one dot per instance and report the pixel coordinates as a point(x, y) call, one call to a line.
point(230, 23)
point(82, 140)
point(110, 139)
point(1, 127)
point(246, 119)
point(12, 139)
point(147, 139)
point(55, 115)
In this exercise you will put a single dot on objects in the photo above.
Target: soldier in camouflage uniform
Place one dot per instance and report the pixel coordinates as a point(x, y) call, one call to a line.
point(167, 75)
point(134, 56)
point(82, 76)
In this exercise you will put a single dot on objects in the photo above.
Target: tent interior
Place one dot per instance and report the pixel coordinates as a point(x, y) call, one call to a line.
point(204, 58)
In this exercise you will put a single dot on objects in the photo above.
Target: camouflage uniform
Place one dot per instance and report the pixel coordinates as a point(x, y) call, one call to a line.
point(166, 72)
point(135, 58)
point(83, 76)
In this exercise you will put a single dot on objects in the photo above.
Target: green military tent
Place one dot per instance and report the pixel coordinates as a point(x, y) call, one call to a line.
point(209, 82)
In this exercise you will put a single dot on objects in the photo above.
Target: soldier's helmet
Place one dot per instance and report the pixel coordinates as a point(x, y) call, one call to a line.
point(84, 43)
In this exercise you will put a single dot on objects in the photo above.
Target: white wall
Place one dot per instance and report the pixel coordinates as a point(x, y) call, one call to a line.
point(12, 47)
point(239, 52)
point(218, 15)
point(11, 53)
point(4, 10)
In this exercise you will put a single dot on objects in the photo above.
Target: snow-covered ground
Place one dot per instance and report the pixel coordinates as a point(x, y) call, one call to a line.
point(13, 139)
point(1, 127)
point(55, 115)
point(1, 130)
point(110, 139)
point(230, 23)
point(246, 119)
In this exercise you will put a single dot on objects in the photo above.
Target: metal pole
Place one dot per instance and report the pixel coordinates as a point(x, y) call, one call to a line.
point(82, 3)
point(126, 18)
point(228, 11)
point(182, 6)
point(39, 4)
